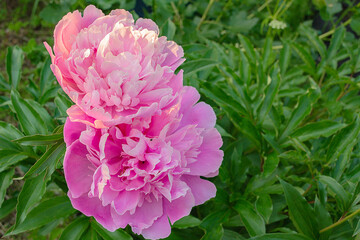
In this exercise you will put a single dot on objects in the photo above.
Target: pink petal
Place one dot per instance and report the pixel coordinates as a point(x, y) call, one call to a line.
point(72, 131)
point(78, 169)
point(160, 229)
point(202, 190)
point(180, 207)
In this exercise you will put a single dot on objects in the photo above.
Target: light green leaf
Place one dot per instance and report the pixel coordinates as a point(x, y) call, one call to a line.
point(284, 59)
point(7, 207)
point(249, 48)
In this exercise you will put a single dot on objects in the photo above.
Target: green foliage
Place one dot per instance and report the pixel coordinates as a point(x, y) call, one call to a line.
point(286, 95)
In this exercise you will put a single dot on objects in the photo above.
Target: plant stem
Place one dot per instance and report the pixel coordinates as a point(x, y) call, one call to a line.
point(340, 221)
point(205, 14)
point(333, 30)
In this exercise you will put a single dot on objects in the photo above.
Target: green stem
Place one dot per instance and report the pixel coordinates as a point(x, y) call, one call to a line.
point(340, 221)
point(205, 13)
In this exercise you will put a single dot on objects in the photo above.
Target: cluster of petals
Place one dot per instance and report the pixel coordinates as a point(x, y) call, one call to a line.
point(113, 69)
point(138, 142)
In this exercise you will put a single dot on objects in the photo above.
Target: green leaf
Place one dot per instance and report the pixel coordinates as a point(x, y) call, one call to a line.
point(14, 61)
point(301, 213)
point(48, 161)
point(249, 48)
point(29, 119)
point(62, 102)
point(335, 43)
point(7, 207)
point(231, 235)
point(10, 157)
point(168, 29)
point(75, 229)
point(46, 76)
point(43, 114)
point(186, 222)
point(264, 206)
point(254, 224)
point(343, 139)
point(106, 235)
point(281, 236)
point(302, 109)
point(215, 218)
point(323, 128)
point(245, 69)
point(45, 212)
point(341, 195)
point(270, 163)
point(267, 53)
point(270, 94)
point(5, 180)
point(284, 59)
point(194, 66)
point(9, 131)
point(323, 218)
point(314, 39)
point(30, 194)
point(305, 56)
point(357, 229)
point(215, 233)
point(38, 140)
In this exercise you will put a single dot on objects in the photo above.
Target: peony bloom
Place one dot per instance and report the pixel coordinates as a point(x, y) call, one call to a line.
point(114, 70)
point(144, 177)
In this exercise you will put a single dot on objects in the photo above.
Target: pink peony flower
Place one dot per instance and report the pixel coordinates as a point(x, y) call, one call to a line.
point(144, 177)
point(115, 70)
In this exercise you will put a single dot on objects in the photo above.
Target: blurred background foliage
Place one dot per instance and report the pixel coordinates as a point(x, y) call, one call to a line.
point(283, 78)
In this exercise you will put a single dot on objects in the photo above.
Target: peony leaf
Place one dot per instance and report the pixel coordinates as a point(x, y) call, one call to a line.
point(5, 180)
point(75, 229)
point(106, 235)
point(14, 61)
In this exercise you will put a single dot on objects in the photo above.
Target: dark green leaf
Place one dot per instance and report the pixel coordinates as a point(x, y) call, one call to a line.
point(36, 140)
point(341, 195)
point(48, 161)
point(302, 109)
point(301, 213)
point(271, 162)
point(168, 29)
point(281, 236)
point(46, 76)
point(254, 224)
point(284, 60)
point(30, 194)
point(6, 179)
point(14, 61)
point(335, 43)
point(215, 233)
point(264, 206)
point(106, 235)
point(194, 66)
point(270, 94)
point(249, 48)
point(45, 212)
point(323, 128)
point(7, 207)
point(10, 157)
point(29, 119)
point(343, 139)
point(188, 221)
point(75, 229)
